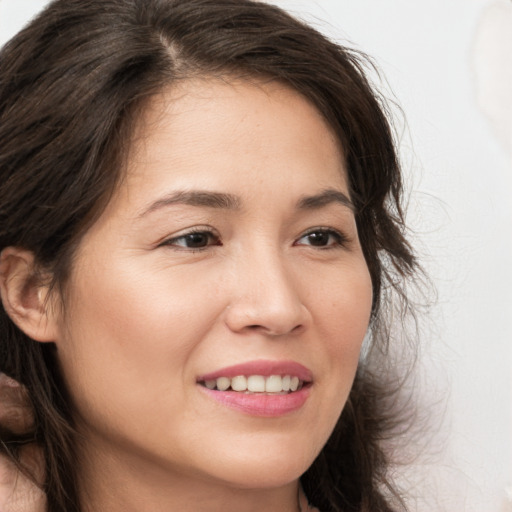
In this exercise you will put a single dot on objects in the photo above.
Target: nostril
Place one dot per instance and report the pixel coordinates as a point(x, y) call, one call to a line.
point(271, 332)
point(258, 316)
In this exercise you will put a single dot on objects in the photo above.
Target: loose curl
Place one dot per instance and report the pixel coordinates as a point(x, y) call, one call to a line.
point(72, 86)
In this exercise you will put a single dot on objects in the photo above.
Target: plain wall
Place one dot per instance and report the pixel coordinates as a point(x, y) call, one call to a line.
point(433, 54)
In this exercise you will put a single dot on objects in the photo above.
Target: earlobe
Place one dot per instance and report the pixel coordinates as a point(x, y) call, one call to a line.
point(25, 296)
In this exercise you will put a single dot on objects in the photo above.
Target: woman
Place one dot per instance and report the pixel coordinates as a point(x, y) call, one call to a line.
point(200, 224)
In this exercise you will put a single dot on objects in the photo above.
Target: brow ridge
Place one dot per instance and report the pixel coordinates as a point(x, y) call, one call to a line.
point(324, 198)
point(226, 201)
point(196, 198)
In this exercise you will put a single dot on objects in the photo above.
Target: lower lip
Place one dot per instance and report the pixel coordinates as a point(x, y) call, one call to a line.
point(261, 404)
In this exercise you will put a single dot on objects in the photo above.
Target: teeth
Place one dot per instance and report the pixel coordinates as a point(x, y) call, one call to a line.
point(256, 384)
point(210, 384)
point(223, 383)
point(239, 383)
point(274, 384)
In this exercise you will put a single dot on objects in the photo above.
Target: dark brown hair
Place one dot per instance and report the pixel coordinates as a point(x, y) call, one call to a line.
point(71, 86)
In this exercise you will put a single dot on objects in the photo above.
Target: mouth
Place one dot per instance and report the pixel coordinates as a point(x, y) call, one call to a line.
point(273, 384)
point(260, 388)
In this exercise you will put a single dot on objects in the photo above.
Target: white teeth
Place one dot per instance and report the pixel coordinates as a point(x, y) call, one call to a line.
point(223, 383)
point(210, 384)
point(274, 384)
point(239, 383)
point(256, 384)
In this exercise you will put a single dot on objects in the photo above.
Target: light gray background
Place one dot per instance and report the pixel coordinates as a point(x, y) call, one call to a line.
point(433, 55)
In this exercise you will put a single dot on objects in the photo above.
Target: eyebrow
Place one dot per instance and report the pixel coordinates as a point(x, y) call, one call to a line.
point(224, 201)
point(196, 198)
point(324, 198)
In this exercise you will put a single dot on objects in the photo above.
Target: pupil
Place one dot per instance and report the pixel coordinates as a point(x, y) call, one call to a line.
point(319, 239)
point(197, 240)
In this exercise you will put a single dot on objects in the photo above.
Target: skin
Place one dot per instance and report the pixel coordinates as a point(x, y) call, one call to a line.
point(145, 315)
point(17, 492)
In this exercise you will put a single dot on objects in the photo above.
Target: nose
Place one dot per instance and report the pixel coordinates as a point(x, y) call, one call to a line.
point(266, 297)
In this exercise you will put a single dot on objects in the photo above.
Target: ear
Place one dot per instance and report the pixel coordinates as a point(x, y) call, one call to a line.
point(25, 296)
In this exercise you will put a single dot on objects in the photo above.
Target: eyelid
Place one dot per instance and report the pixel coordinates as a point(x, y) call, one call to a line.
point(171, 241)
point(341, 238)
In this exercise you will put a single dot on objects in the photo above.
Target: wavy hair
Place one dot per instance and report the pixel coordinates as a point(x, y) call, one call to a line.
point(72, 86)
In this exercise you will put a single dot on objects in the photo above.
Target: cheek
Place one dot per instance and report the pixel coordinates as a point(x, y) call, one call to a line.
point(127, 340)
point(134, 312)
point(344, 309)
point(343, 313)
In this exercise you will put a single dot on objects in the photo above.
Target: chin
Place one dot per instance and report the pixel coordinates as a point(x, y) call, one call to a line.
point(264, 475)
point(268, 467)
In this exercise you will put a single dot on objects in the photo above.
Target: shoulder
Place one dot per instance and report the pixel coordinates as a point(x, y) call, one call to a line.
point(17, 492)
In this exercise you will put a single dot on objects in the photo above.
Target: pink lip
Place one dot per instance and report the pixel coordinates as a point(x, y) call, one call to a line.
point(261, 404)
point(261, 367)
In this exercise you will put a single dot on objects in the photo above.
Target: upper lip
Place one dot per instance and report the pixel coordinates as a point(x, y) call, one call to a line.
point(261, 367)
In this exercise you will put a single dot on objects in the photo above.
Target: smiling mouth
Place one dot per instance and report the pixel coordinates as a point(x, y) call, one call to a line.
point(248, 384)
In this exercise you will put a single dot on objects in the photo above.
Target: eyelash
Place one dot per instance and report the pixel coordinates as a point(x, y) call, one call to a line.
point(171, 242)
point(340, 240)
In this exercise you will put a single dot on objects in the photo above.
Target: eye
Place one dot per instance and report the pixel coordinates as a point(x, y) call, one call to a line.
point(323, 238)
point(193, 240)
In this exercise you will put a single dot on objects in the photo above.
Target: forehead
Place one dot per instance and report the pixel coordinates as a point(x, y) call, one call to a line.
point(218, 134)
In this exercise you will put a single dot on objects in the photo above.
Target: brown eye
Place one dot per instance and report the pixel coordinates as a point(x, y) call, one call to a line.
point(319, 239)
point(323, 238)
point(194, 240)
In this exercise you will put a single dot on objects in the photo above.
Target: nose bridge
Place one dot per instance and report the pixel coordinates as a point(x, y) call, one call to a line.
point(265, 294)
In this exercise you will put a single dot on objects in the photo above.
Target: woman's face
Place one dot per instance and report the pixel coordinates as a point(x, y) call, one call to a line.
point(229, 256)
